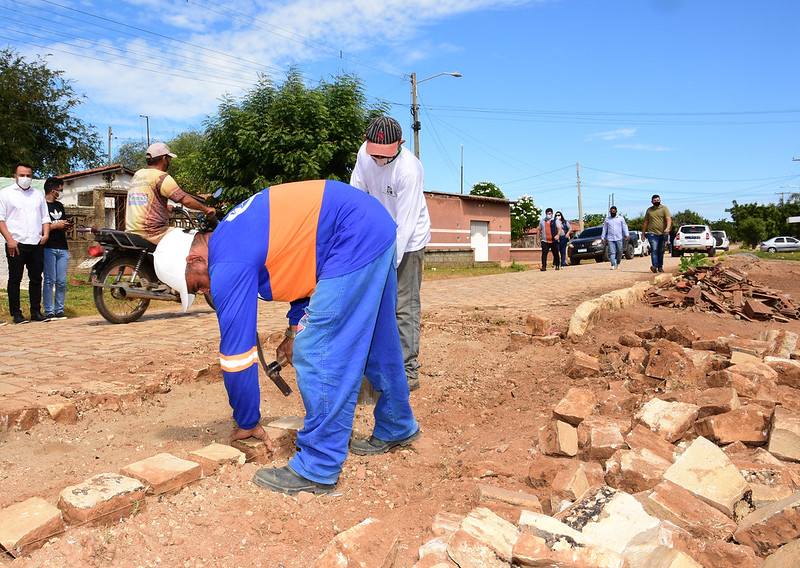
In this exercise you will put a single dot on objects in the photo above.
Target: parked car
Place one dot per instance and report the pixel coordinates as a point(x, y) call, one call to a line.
point(588, 244)
point(722, 241)
point(780, 244)
point(694, 238)
point(642, 246)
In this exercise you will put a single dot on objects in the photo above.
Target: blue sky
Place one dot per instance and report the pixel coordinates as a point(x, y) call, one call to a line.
point(694, 100)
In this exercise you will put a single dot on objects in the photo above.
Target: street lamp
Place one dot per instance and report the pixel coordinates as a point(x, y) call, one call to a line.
point(415, 107)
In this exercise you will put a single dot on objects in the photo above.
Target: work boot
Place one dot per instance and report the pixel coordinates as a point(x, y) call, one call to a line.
point(375, 446)
point(286, 480)
point(653, 269)
point(413, 384)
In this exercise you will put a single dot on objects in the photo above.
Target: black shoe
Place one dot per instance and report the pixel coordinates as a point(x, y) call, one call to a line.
point(286, 480)
point(375, 446)
point(413, 384)
point(59, 316)
point(661, 270)
point(653, 269)
point(558, 267)
point(542, 269)
point(38, 316)
point(20, 319)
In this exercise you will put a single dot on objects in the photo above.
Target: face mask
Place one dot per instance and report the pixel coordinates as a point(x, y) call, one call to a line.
point(558, 216)
point(656, 203)
point(57, 195)
point(548, 216)
point(613, 213)
point(24, 182)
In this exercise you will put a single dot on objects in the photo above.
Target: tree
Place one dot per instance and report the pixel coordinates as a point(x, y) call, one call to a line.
point(36, 121)
point(284, 133)
point(772, 217)
point(752, 231)
point(687, 217)
point(593, 219)
point(187, 167)
point(486, 189)
point(524, 215)
point(131, 155)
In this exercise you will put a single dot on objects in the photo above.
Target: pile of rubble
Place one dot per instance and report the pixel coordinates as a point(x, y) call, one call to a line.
point(725, 290)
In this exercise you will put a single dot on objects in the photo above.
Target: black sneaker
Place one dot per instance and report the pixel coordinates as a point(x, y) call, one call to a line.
point(20, 319)
point(286, 480)
point(375, 446)
point(59, 316)
point(653, 269)
point(38, 316)
point(542, 270)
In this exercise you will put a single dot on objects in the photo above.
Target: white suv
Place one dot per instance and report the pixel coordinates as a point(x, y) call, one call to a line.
point(694, 238)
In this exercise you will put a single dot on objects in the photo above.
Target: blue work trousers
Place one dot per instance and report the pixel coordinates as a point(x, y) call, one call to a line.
point(657, 245)
point(55, 277)
point(349, 331)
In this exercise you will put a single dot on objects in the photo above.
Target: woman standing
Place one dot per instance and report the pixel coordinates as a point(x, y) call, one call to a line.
point(566, 231)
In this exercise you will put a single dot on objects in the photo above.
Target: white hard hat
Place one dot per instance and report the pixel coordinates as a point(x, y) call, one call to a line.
point(170, 262)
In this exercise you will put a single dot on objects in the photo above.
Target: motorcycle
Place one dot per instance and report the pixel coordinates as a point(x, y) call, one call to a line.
point(124, 276)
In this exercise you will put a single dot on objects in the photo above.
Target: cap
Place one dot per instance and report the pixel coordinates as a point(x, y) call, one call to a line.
point(157, 149)
point(170, 262)
point(383, 136)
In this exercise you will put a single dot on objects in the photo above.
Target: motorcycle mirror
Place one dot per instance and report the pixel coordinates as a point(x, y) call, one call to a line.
point(217, 193)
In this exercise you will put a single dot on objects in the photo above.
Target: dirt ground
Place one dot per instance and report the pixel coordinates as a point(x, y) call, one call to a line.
point(485, 393)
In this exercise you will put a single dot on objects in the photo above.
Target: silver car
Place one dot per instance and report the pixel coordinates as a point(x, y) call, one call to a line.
point(780, 244)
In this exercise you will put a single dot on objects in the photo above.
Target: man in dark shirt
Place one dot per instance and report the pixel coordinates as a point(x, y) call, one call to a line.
point(56, 252)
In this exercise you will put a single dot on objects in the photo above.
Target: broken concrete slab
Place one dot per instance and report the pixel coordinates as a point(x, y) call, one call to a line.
point(577, 405)
point(484, 540)
point(106, 497)
point(369, 543)
point(633, 471)
point(581, 365)
point(784, 439)
point(557, 438)
point(163, 473)
point(599, 436)
point(749, 425)
point(670, 420)
point(705, 471)
point(770, 527)
point(212, 457)
point(28, 525)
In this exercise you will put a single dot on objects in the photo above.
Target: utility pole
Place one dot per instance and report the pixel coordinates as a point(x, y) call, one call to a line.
point(462, 169)
point(147, 118)
point(109, 145)
point(416, 126)
point(580, 203)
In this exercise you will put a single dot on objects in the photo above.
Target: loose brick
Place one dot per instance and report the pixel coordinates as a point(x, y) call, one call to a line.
point(716, 401)
point(164, 473)
point(445, 523)
point(582, 365)
point(681, 334)
point(571, 482)
point(106, 497)
point(784, 439)
point(294, 423)
point(370, 543)
point(27, 525)
point(483, 540)
point(670, 420)
point(616, 402)
point(214, 456)
point(788, 371)
point(599, 437)
point(787, 556)
point(635, 470)
point(642, 437)
point(558, 438)
point(517, 498)
point(770, 527)
point(577, 405)
point(63, 413)
point(536, 324)
point(749, 425)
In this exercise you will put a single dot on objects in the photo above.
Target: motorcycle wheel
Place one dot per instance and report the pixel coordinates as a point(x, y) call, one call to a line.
point(109, 302)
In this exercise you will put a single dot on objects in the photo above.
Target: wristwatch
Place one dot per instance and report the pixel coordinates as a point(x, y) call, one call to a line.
point(289, 333)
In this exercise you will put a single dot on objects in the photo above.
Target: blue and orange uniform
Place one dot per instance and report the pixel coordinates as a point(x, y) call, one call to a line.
point(329, 250)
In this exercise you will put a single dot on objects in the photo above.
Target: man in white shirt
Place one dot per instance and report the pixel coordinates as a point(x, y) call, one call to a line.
point(25, 225)
point(393, 175)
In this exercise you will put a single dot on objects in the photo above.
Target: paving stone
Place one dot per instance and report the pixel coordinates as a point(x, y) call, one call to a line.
point(787, 556)
point(484, 540)
point(667, 360)
point(487, 493)
point(616, 402)
point(63, 413)
point(749, 377)
point(19, 414)
point(536, 324)
point(742, 357)
point(163, 473)
point(212, 457)
point(784, 438)
point(28, 525)
point(435, 549)
point(435, 561)
point(571, 482)
point(577, 405)
point(681, 334)
point(103, 498)
point(706, 361)
point(673, 503)
point(581, 365)
point(445, 523)
point(544, 469)
point(749, 425)
point(721, 554)
point(705, 471)
point(670, 420)
point(717, 400)
point(754, 347)
point(788, 371)
point(769, 482)
point(599, 437)
point(557, 438)
point(635, 470)
point(608, 518)
point(770, 527)
point(255, 450)
point(545, 541)
point(370, 543)
point(655, 332)
point(641, 437)
point(288, 423)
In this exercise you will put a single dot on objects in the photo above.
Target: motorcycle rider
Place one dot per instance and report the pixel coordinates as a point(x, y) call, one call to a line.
point(146, 211)
point(329, 249)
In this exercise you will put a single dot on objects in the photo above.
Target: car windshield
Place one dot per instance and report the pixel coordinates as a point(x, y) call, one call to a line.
point(591, 232)
point(716, 233)
point(693, 229)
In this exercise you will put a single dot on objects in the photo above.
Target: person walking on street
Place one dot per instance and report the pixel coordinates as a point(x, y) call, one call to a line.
point(146, 211)
point(656, 227)
point(615, 234)
point(550, 233)
point(394, 176)
point(566, 229)
point(329, 250)
point(25, 225)
point(56, 252)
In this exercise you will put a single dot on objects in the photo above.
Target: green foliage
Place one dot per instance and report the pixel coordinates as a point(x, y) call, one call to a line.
point(697, 259)
point(36, 122)
point(524, 215)
point(486, 189)
point(283, 133)
point(186, 168)
point(752, 231)
point(772, 219)
point(729, 227)
point(687, 217)
point(516, 267)
point(636, 223)
point(593, 219)
point(131, 155)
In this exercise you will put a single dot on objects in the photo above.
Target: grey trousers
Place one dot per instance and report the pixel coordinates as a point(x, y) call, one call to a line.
point(409, 281)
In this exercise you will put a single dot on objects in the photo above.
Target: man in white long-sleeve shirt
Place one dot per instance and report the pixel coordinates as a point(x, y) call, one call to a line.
point(395, 177)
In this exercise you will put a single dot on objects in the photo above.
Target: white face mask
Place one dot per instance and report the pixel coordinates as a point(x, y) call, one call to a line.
point(24, 182)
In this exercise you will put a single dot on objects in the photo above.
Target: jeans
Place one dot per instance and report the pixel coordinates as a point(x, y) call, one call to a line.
point(657, 243)
point(350, 331)
point(546, 248)
point(30, 257)
point(55, 276)
point(562, 250)
point(409, 306)
point(615, 252)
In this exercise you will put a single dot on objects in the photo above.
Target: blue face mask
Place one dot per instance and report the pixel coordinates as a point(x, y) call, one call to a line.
point(548, 216)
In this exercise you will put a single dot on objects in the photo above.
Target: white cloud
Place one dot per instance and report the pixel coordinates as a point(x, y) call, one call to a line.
point(645, 147)
point(613, 134)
